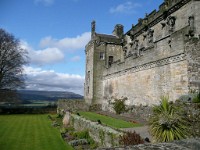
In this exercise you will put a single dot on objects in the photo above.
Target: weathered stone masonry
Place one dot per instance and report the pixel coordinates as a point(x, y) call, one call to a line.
point(158, 56)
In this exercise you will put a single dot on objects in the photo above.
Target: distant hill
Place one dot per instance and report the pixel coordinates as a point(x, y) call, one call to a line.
point(26, 95)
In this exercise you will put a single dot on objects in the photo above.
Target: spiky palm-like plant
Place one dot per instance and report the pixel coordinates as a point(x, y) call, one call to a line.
point(167, 123)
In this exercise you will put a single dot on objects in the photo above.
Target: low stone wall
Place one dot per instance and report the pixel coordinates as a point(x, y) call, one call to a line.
point(142, 113)
point(139, 114)
point(103, 135)
point(71, 105)
point(187, 144)
point(192, 113)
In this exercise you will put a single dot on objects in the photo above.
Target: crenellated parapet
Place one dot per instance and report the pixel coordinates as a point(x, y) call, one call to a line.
point(165, 10)
point(160, 25)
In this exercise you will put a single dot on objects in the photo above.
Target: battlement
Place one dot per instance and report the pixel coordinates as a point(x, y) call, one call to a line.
point(165, 9)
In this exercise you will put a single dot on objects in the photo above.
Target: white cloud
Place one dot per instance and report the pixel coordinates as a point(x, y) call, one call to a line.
point(49, 80)
point(75, 58)
point(52, 50)
point(67, 44)
point(127, 7)
point(44, 2)
point(45, 56)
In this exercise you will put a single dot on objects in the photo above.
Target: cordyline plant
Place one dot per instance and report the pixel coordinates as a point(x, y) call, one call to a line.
point(167, 122)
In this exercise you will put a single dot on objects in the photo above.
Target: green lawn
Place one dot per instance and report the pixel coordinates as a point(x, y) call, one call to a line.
point(109, 121)
point(29, 132)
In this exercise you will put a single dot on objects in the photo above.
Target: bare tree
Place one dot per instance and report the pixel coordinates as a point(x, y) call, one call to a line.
point(12, 59)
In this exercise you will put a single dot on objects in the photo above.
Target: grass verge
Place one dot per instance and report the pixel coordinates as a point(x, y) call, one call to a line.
point(108, 121)
point(29, 132)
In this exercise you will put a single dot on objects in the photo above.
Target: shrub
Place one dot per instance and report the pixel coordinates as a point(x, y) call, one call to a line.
point(167, 122)
point(55, 124)
point(85, 135)
point(95, 107)
point(69, 129)
point(119, 105)
point(102, 136)
point(131, 138)
point(50, 118)
point(63, 130)
point(93, 144)
point(59, 116)
point(196, 99)
point(82, 134)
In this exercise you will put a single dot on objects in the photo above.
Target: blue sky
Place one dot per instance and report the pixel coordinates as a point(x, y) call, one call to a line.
point(55, 33)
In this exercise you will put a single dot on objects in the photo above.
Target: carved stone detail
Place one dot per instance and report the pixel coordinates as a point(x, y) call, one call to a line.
point(127, 48)
point(99, 43)
point(125, 51)
point(171, 20)
point(163, 24)
point(150, 65)
point(136, 47)
point(150, 35)
point(191, 26)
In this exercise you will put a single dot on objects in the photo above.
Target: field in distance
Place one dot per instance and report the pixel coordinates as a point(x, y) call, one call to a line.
point(29, 132)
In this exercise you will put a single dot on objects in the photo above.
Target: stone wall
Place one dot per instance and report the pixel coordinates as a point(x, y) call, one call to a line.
point(147, 86)
point(140, 113)
point(71, 105)
point(187, 144)
point(192, 49)
point(104, 136)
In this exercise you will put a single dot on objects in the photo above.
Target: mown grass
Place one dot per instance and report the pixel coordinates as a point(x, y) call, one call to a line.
point(109, 121)
point(29, 132)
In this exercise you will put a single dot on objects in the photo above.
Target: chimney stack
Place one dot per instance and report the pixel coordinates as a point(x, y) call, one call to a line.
point(119, 30)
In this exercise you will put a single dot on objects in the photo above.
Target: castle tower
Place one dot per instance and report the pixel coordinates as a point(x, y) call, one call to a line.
point(98, 58)
point(89, 69)
point(95, 63)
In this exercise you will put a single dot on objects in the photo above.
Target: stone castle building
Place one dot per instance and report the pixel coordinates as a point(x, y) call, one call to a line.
point(158, 56)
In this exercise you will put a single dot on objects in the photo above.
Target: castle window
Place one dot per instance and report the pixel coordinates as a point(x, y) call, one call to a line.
point(88, 90)
point(88, 76)
point(101, 56)
point(110, 60)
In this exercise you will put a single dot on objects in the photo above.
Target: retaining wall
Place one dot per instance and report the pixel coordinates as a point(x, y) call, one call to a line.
point(71, 105)
point(103, 135)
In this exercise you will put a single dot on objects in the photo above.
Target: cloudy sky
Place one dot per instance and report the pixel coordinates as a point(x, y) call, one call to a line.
point(55, 33)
